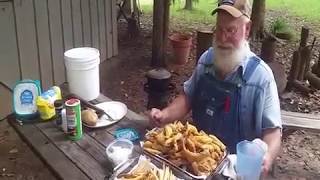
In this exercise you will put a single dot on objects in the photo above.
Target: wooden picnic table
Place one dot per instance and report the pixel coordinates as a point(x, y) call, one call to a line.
point(86, 158)
point(82, 159)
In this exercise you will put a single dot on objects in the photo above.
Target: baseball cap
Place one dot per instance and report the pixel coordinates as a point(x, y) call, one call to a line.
point(236, 8)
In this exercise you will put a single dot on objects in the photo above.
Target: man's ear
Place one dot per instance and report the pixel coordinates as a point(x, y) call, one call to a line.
point(248, 29)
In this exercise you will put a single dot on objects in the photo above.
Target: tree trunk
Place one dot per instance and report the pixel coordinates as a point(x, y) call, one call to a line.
point(157, 34)
point(166, 26)
point(131, 6)
point(188, 5)
point(257, 18)
point(160, 32)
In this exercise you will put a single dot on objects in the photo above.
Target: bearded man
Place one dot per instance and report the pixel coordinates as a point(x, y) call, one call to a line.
point(232, 93)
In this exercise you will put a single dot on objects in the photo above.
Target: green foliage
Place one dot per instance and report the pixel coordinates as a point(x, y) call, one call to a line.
point(279, 25)
point(201, 13)
point(308, 9)
point(281, 29)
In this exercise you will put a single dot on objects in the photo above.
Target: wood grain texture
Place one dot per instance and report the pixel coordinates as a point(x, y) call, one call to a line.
point(94, 23)
point(102, 30)
point(74, 152)
point(86, 23)
point(55, 25)
point(9, 63)
point(67, 24)
point(49, 153)
point(27, 43)
point(109, 27)
point(43, 43)
point(76, 23)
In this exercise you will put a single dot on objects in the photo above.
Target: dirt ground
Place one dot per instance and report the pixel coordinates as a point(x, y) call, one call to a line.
point(300, 157)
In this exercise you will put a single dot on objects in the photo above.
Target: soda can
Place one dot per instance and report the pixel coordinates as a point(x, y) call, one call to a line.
point(73, 116)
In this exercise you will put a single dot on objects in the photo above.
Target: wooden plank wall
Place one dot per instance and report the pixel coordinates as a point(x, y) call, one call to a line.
point(37, 32)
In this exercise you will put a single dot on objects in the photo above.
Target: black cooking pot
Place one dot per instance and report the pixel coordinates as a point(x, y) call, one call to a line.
point(158, 80)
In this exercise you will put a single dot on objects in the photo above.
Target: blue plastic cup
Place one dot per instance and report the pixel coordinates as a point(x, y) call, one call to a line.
point(249, 160)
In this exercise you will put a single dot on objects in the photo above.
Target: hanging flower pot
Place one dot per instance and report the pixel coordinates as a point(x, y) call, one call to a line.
point(181, 45)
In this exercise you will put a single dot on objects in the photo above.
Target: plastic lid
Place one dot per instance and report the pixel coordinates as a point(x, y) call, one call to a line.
point(82, 54)
point(72, 102)
point(159, 73)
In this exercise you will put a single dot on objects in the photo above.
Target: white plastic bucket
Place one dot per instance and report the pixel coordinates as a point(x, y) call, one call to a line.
point(82, 65)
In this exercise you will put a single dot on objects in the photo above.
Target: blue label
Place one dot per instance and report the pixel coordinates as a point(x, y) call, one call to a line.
point(26, 97)
point(127, 133)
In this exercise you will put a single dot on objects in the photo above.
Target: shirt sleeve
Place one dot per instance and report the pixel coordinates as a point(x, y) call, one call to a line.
point(271, 117)
point(189, 86)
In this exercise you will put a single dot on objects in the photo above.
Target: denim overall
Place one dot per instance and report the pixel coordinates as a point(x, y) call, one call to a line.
point(216, 104)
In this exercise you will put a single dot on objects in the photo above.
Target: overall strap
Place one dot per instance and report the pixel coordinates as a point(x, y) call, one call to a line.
point(209, 56)
point(251, 66)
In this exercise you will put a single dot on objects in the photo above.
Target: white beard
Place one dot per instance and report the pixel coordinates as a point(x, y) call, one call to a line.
point(227, 60)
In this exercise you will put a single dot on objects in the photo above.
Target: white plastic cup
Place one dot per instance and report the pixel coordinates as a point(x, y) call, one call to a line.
point(82, 65)
point(249, 160)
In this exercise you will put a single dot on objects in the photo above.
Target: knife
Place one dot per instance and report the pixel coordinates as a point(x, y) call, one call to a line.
point(87, 104)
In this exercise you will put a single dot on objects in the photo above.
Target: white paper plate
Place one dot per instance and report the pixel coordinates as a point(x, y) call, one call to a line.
point(117, 110)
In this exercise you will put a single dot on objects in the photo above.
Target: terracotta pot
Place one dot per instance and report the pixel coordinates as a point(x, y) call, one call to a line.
point(181, 45)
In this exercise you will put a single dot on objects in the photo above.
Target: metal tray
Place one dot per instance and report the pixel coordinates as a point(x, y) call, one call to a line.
point(184, 173)
point(130, 163)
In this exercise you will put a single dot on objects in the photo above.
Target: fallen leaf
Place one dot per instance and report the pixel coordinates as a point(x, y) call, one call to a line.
point(14, 150)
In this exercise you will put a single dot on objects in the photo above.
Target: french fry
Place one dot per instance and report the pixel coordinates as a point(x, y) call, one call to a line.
point(185, 145)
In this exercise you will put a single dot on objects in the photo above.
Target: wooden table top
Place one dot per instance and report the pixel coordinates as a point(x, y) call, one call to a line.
point(82, 159)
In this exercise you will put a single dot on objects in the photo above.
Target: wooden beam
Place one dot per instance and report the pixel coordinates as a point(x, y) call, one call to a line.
point(295, 120)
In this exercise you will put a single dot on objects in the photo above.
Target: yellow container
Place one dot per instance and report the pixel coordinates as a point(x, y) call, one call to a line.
point(45, 108)
point(45, 102)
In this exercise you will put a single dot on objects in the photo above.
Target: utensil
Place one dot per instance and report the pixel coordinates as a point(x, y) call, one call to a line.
point(98, 110)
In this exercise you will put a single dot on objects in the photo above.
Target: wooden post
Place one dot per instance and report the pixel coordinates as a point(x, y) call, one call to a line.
point(294, 71)
point(313, 79)
point(306, 57)
point(268, 50)
point(157, 34)
point(302, 66)
point(304, 36)
point(204, 41)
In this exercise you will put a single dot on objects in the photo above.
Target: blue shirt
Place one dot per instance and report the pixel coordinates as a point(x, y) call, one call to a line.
point(259, 102)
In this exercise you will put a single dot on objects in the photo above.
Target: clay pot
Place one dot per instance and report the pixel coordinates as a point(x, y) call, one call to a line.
point(181, 45)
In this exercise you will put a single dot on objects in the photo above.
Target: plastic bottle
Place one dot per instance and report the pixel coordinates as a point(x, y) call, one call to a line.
point(45, 102)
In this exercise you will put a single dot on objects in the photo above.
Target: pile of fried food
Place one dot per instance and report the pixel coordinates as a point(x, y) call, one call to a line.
point(185, 146)
point(145, 171)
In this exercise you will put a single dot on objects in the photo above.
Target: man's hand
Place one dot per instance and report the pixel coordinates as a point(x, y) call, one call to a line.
point(157, 117)
point(266, 165)
point(272, 137)
point(177, 110)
